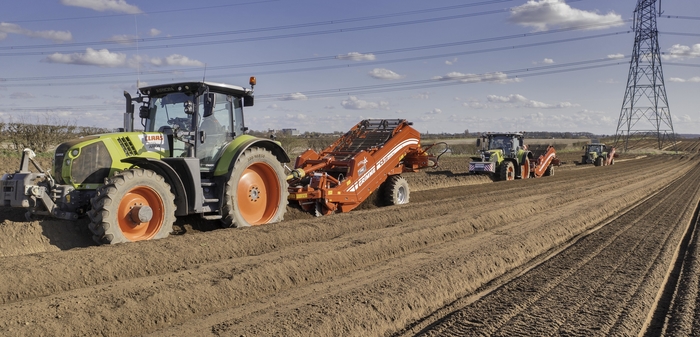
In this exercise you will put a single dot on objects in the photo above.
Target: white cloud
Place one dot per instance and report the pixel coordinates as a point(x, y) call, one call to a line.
point(297, 96)
point(297, 117)
point(497, 77)
point(616, 56)
point(53, 35)
point(154, 32)
point(119, 6)
point(384, 74)
point(329, 107)
point(100, 58)
point(451, 62)
point(695, 79)
point(421, 95)
point(582, 120)
point(681, 52)
point(176, 60)
point(21, 95)
point(548, 61)
point(542, 14)
point(435, 111)
point(354, 103)
point(523, 102)
point(475, 105)
point(355, 56)
point(123, 39)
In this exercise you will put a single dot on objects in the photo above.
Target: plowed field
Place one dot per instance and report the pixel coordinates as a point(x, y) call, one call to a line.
point(589, 251)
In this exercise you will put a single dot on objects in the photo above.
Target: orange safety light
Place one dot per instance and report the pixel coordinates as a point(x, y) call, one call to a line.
point(252, 80)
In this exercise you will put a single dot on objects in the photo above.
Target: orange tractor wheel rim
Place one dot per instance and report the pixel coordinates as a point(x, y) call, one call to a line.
point(510, 172)
point(258, 194)
point(137, 198)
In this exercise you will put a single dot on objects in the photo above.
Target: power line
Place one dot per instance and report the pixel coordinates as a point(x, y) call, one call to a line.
point(274, 28)
point(326, 58)
point(149, 13)
point(410, 85)
point(679, 34)
point(272, 37)
point(470, 77)
point(680, 17)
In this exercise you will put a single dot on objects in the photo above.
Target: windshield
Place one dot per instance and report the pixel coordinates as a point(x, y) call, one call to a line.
point(169, 110)
point(500, 142)
point(595, 148)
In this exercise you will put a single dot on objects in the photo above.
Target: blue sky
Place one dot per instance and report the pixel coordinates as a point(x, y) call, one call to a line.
point(446, 65)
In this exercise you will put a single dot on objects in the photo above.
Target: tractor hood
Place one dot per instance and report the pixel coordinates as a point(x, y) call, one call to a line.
point(85, 162)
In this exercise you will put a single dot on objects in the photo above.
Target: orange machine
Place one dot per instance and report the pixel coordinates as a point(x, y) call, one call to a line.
point(370, 156)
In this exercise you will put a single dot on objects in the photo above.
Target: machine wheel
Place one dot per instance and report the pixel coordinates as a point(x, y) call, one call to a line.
point(598, 161)
point(507, 171)
point(549, 171)
point(135, 205)
point(321, 210)
point(256, 191)
point(396, 191)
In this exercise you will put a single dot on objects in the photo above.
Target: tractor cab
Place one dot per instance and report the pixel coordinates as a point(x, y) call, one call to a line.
point(598, 149)
point(197, 119)
point(508, 143)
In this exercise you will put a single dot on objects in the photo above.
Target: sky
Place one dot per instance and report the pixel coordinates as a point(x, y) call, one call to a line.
point(323, 66)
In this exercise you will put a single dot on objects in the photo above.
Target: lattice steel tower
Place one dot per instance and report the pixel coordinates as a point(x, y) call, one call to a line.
point(645, 112)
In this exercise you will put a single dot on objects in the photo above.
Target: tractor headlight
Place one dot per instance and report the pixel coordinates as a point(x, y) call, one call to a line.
point(68, 162)
point(74, 153)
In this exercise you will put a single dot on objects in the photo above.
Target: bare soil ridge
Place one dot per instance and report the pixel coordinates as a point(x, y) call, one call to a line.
point(371, 272)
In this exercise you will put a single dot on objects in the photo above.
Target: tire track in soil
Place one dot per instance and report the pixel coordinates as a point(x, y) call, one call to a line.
point(676, 314)
point(604, 284)
point(195, 278)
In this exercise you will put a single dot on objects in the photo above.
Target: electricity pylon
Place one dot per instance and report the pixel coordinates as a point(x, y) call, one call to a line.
point(645, 112)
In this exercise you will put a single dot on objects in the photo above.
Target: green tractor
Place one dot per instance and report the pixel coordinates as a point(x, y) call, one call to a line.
point(504, 156)
point(192, 157)
point(598, 154)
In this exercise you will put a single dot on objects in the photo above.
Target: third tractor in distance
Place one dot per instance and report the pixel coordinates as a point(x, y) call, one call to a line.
point(598, 154)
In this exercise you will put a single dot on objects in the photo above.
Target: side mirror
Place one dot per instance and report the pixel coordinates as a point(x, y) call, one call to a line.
point(209, 102)
point(144, 111)
point(248, 101)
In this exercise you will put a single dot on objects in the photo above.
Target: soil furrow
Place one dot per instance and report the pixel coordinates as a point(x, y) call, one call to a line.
point(619, 283)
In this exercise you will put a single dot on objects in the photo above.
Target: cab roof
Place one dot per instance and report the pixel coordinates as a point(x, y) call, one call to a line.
point(193, 87)
point(507, 134)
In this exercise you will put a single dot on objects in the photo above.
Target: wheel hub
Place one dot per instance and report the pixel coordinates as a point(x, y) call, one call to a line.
point(140, 214)
point(254, 193)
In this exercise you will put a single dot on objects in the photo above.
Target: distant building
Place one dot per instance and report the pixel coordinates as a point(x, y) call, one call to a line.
point(290, 132)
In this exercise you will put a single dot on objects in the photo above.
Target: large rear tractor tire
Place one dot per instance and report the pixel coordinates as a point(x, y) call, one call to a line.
point(396, 191)
point(507, 171)
point(135, 205)
point(256, 191)
point(598, 161)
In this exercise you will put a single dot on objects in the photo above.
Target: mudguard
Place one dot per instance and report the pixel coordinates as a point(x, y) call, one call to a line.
point(234, 150)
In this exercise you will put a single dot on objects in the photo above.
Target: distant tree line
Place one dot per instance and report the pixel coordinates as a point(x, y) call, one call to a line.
point(41, 136)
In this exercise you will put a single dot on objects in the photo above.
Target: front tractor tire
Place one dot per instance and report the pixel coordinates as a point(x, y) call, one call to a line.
point(256, 191)
point(507, 171)
point(396, 191)
point(135, 205)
